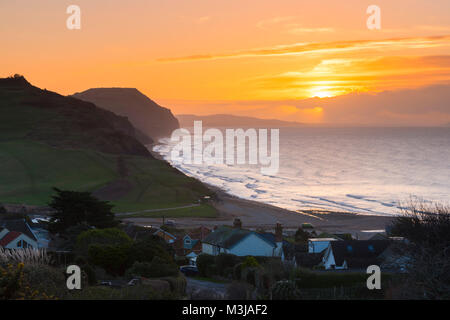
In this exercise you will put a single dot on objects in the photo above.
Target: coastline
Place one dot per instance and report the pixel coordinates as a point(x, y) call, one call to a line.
point(254, 214)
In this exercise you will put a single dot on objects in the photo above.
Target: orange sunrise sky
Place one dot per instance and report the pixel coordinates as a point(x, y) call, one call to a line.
point(245, 57)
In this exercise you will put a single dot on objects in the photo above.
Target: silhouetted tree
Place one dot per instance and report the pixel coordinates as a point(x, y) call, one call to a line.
point(73, 208)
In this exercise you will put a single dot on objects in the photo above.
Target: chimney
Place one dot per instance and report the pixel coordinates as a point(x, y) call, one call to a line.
point(278, 232)
point(237, 224)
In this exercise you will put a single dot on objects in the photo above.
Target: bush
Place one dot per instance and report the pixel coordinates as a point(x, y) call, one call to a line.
point(14, 284)
point(310, 279)
point(139, 292)
point(237, 271)
point(301, 236)
point(177, 284)
point(225, 261)
point(113, 258)
point(46, 279)
point(146, 249)
point(181, 261)
point(203, 262)
point(239, 291)
point(284, 290)
point(249, 275)
point(110, 236)
point(156, 268)
point(307, 226)
point(250, 262)
point(90, 273)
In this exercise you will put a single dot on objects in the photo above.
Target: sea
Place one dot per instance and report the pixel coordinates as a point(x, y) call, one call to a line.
point(373, 171)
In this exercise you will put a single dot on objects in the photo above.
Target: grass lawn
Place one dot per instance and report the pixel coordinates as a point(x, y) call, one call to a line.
point(203, 211)
point(38, 153)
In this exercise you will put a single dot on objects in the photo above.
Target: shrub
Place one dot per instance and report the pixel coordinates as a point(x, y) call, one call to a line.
point(307, 226)
point(237, 271)
point(26, 256)
point(110, 236)
point(225, 261)
point(238, 291)
point(203, 261)
point(146, 249)
point(285, 290)
point(139, 292)
point(90, 273)
point(249, 275)
point(250, 262)
point(301, 236)
point(181, 261)
point(113, 258)
point(14, 285)
point(177, 284)
point(310, 279)
point(45, 279)
point(154, 269)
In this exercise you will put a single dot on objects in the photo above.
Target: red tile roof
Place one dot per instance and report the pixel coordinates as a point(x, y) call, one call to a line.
point(10, 236)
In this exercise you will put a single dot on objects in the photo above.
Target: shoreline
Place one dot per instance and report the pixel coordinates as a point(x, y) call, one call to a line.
point(254, 214)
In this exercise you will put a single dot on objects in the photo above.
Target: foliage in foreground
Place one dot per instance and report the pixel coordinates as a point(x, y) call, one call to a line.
point(427, 228)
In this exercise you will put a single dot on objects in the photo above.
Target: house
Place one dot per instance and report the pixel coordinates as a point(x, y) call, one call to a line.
point(190, 245)
point(166, 236)
point(242, 242)
point(191, 241)
point(318, 245)
point(17, 234)
point(298, 255)
point(354, 254)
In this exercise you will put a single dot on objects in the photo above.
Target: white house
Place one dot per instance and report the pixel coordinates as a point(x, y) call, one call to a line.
point(241, 242)
point(317, 245)
point(17, 234)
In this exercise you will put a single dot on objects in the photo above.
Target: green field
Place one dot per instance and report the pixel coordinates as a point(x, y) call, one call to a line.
point(29, 170)
point(40, 149)
point(202, 211)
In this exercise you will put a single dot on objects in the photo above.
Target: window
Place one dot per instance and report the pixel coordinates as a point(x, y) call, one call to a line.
point(23, 244)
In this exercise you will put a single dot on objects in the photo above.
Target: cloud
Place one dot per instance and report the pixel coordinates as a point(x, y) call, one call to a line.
point(332, 77)
point(426, 106)
point(326, 47)
point(296, 29)
point(202, 20)
point(263, 24)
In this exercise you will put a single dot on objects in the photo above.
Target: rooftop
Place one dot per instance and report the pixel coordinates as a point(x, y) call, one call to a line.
point(227, 237)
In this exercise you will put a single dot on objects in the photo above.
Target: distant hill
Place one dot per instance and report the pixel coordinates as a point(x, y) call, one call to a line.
point(49, 140)
point(232, 121)
point(146, 115)
point(41, 115)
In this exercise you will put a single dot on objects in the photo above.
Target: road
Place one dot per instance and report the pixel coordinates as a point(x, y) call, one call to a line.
point(200, 289)
point(157, 210)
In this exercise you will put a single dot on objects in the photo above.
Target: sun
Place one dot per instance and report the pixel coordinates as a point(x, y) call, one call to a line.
point(321, 92)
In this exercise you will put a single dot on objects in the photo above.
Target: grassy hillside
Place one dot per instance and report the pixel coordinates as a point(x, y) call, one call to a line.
point(43, 145)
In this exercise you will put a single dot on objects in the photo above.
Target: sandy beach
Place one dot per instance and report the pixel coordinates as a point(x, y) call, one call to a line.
point(260, 215)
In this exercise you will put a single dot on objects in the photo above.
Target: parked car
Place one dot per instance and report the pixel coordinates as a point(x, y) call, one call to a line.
point(189, 271)
point(134, 282)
